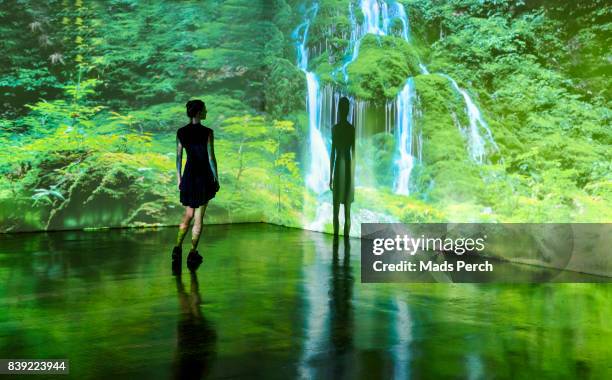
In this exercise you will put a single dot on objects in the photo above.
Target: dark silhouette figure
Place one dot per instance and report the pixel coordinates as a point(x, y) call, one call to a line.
point(196, 337)
point(342, 166)
point(199, 183)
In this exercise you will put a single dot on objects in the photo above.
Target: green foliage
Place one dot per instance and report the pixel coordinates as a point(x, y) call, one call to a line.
point(382, 67)
point(93, 93)
point(284, 89)
point(259, 171)
point(521, 58)
point(378, 153)
point(330, 29)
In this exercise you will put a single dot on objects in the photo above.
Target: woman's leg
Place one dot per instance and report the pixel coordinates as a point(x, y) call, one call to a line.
point(197, 226)
point(347, 219)
point(336, 220)
point(184, 226)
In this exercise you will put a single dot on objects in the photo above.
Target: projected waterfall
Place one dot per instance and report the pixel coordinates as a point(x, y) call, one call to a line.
point(318, 172)
point(382, 19)
point(377, 19)
point(476, 142)
point(403, 132)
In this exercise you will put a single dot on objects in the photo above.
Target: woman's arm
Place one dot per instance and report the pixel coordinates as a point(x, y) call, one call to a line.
point(332, 158)
point(212, 156)
point(179, 161)
point(353, 157)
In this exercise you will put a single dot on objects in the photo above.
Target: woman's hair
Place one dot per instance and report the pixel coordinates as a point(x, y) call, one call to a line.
point(194, 106)
point(343, 107)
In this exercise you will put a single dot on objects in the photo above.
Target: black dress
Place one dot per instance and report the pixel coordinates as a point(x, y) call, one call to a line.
point(343, 140)
point(198, 184)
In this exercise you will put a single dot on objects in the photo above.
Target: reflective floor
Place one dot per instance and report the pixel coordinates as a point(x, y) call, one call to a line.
point(278, 303)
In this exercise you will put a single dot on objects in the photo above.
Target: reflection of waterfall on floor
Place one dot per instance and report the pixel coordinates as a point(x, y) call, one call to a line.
point(316, 323)
point(402, 331)
point(474, 367)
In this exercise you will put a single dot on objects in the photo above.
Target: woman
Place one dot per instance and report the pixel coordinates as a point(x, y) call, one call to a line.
point(342, 166)
point(200, 181)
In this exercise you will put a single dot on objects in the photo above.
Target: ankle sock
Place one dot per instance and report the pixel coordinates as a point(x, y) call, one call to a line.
point(180, 237)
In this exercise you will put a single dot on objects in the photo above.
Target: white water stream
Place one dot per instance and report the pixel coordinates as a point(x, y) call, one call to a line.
point(379, 18)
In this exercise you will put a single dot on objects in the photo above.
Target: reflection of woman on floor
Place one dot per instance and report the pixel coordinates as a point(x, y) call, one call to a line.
point(342, 325)
point(342, 166)
point(200, 181)
point(196, 337)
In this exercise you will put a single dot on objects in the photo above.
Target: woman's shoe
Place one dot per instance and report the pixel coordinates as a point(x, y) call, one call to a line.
point(176, 254)
point(194, 258)
point(176, 268)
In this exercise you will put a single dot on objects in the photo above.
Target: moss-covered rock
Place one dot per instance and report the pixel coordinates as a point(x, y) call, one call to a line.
point(326, 71)
point(381, 68)
point(330, 29)
point(439, 108)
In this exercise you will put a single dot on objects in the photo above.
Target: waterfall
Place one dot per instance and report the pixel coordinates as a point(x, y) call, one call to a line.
point(404, 104)
point(378, 19)
point(318, 171)
point(318, 174)
point(476, 142)
point(353, 46)
point(402, 332)
point(401, 13)
point(371, 10)
point(423, 69)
